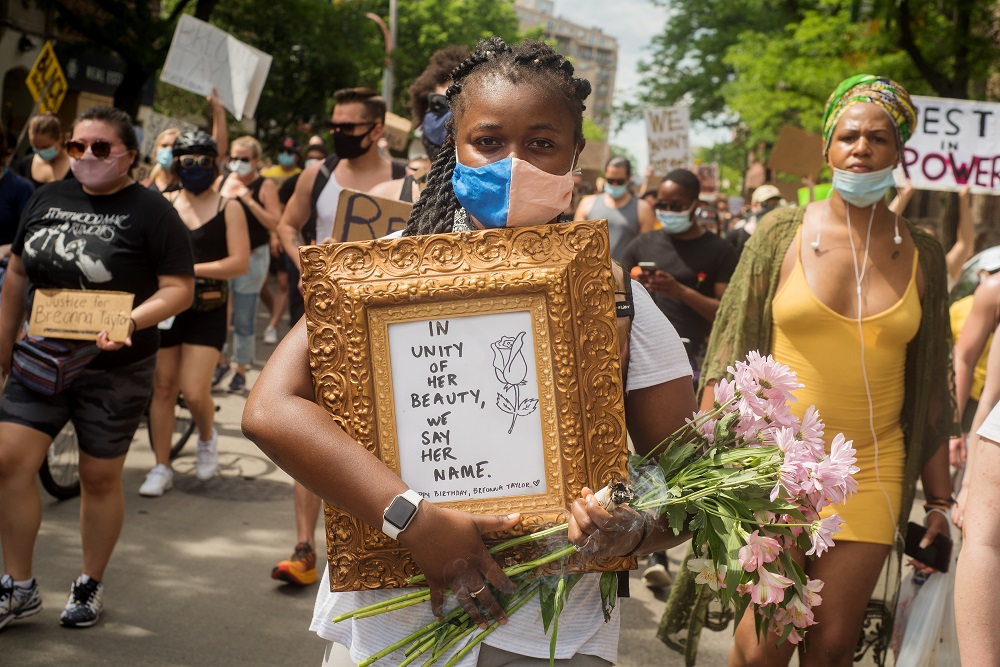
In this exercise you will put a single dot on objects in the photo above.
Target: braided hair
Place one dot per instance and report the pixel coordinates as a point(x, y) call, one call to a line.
point(530, 61)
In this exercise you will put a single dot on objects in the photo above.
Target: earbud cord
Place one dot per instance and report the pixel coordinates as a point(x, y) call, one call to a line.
point(859, 277)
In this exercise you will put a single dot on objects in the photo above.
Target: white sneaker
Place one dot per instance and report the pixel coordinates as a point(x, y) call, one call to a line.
point(270, 335)
point(159, 480)
point(208, 458)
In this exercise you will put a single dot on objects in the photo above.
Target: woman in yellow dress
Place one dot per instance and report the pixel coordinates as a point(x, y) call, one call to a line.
point(853, 300)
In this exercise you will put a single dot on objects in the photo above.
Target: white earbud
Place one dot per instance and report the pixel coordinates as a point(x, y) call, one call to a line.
point(819, 233)
point(897, 239)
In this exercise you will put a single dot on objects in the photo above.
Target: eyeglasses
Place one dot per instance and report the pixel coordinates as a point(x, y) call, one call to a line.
point(345, 128)
point(100, 149)
point(674, 206)
point(616, 181)
point(188, 161)
point(233, 158)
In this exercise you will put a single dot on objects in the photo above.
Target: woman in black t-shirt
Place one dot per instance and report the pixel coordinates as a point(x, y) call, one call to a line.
point(100, 232)
point(190, 343)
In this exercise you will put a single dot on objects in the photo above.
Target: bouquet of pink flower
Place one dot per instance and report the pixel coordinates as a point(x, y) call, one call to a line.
point(747, 479)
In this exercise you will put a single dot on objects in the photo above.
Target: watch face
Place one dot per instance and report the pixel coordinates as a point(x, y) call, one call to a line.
point(399, 512)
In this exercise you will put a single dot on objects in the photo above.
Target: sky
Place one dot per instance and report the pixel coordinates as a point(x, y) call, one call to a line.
point(633, 23)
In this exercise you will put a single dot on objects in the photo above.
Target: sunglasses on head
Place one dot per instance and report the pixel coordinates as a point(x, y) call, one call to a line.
point(100, 149)
point(616, 181)
point(674, 206)
point(233, 158)
point(348, 128)
point(189, 161)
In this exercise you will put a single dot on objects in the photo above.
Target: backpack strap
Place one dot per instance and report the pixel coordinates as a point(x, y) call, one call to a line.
point(624, 314)
point(322, 178)
point(398, 170)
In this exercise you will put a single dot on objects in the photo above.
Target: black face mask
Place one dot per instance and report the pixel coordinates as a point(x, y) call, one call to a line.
point(348, 147)
point(196, 179)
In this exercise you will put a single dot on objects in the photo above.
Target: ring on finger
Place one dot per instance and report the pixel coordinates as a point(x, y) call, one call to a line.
point(475, 593)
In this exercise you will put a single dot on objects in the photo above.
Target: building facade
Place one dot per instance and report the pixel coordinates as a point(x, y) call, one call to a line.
point(594, 53)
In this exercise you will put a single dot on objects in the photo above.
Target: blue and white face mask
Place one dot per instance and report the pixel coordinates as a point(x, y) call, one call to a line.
point(165, 157)
point(48, 154)
point(511, 193)
point(863, 189)
point(676, 222)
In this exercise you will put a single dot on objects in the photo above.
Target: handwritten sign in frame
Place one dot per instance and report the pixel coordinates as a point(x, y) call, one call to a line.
point(561, 274)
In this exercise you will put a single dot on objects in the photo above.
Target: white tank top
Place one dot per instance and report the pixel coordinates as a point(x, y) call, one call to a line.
point(326, 208)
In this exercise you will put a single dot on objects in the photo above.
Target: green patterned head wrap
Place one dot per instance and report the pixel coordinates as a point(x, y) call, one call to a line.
point(884, 92)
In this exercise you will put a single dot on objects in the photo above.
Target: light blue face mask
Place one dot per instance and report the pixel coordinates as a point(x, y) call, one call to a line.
point(165, 157)
point(48, 154)
point(615, 191)
point(286, 159)
point(674, 222)
point(863, 189)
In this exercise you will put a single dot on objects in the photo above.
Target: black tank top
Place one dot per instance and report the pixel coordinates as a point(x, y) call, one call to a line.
point(258, 233)
point(209, 240)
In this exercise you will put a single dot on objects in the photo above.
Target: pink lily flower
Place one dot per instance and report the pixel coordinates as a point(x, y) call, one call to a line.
point(770, 588)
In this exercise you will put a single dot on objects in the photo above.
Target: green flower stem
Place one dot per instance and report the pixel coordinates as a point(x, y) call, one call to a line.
point(693, 426)
point(425, 646)
point(456, 612)
point(384, 603)
point(568, 550)
point(482, 635)
point(394, 607)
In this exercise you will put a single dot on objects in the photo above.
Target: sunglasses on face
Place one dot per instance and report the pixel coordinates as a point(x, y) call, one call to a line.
point(189, 161)
point(346, 128)
point(674, 206)
point(616, 181)
point(233, 158)
point(100, 149)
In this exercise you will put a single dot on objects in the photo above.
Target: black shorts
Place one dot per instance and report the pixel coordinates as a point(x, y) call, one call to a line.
point(197, 328)
point(277, 264)
point(105, 406)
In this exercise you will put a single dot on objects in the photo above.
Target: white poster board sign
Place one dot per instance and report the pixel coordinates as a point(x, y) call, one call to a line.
point(203, 57)
point(465, 391)
point(667, 135)
point(955, 143)
point(154, 125)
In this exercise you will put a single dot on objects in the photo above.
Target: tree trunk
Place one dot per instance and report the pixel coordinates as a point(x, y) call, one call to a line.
point(128, 97)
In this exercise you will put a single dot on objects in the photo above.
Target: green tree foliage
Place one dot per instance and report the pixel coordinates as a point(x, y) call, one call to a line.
point(760, 64)
point(424, 26)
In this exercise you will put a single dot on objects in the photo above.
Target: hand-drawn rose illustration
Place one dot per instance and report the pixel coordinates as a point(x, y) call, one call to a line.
point(512, 371)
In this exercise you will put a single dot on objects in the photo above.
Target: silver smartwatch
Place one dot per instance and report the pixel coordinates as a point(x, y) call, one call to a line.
point(400, 512)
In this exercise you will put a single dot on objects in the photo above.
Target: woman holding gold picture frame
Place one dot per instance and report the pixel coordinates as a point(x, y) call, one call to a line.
point(506, 170)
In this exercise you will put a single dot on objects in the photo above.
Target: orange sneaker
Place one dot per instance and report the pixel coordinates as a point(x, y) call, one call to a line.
point(300, 569)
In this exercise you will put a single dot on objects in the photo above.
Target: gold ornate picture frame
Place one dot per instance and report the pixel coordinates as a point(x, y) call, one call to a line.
point(482, 367)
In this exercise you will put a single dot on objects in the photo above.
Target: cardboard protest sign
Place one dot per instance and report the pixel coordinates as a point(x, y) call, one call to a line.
point(667, 135)
point(955, 143)
point(708, 176)
point(397, 131)
point(80, 314)
point(362, 217)
point(203, 57)
point(154, 125)
point(797, 152)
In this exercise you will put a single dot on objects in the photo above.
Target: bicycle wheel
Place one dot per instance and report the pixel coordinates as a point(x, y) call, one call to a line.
point(60, 471)
point(183, 428)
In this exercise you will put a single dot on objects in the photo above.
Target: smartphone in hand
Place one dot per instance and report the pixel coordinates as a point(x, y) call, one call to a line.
point(648, 268)
point(937, 554)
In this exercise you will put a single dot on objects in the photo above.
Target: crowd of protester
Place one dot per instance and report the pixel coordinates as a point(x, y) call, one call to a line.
point(845, 291)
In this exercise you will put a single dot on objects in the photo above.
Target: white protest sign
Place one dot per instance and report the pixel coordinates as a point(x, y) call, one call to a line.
point(203, 57)
point(955, 143)
point(667, 135)
point(465, 391)
point(154, 125)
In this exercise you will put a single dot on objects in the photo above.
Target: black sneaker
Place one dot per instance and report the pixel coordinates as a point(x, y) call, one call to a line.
point(221, 371)
point(16, 602)
point(657, 572)
point(86, 602)
point(238, 384)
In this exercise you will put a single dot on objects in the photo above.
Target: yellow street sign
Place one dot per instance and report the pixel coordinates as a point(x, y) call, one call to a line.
point(46, 81)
